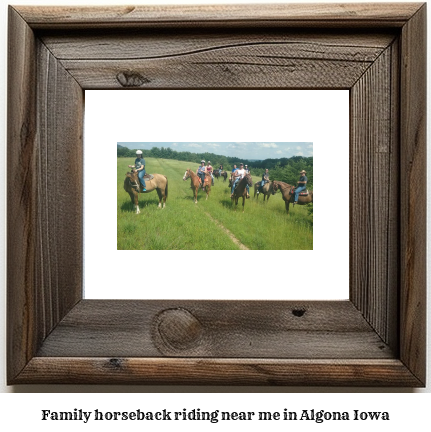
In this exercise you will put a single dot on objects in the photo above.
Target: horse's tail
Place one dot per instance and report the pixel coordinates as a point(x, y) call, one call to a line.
point(166, 188)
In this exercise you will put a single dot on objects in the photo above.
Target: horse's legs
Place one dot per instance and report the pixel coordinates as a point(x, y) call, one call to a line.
point(159, 193)
point(162, 197)
point(132, 198)
point(196, 194)
point(137, 203)
point(287, 206)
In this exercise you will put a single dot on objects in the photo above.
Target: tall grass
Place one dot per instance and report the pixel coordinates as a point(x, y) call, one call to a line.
point(209, 224)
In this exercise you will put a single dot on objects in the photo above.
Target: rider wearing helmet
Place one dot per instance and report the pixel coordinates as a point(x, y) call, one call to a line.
point(140, 168)
point(201, 172)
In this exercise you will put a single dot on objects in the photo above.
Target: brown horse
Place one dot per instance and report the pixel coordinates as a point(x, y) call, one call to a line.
point(289, 195)
point(133, 187)
point(241, 190)
point(223, 174)
point(196, 183)
point(266, 190)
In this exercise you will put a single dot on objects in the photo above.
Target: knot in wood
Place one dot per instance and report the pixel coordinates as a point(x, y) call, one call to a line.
point(178, 329)
point(115, 363)
point(298, 312)
point(131, 79)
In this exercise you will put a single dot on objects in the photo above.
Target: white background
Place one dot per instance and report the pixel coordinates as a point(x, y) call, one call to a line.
point(321, 117)
point(23, 410)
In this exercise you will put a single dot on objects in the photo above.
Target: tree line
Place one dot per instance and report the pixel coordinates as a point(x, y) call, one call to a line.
point(283, 169)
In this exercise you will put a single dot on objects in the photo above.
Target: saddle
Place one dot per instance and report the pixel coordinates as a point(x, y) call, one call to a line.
point(138, 185)
point(303, 193)
point(207, 180)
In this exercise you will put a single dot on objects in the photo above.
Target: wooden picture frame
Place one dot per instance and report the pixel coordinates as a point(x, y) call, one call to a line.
point(376, 338)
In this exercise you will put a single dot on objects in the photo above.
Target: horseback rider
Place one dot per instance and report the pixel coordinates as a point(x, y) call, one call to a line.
point(238, 174)
point(201, 171)
point(140, 168)
point(247, 171)
point(210, 171)
point(220, 169)
point(232, 173)
point(302, 184)
point(265, 179)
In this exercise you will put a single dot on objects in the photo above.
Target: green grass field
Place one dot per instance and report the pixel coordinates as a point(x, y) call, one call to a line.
point(211, 224)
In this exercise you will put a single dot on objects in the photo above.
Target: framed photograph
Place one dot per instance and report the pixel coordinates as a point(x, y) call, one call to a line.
point(376, 337)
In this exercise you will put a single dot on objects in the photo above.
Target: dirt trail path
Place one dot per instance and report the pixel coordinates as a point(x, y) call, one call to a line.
point(231, 236)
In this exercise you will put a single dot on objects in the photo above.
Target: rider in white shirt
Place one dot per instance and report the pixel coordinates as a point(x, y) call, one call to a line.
point(237, 176)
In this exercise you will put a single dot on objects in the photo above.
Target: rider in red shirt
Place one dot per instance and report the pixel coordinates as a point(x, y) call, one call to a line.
point(210, 170)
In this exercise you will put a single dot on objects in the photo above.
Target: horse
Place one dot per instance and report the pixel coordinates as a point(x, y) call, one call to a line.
point(133, 187)
point(196, 183)
point(289, 195)
point(266, 190)
point(218, 174)
point(241, 190)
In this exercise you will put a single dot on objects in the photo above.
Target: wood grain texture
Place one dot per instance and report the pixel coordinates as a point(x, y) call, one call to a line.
point(206, 60)
point(347, 45)
point(373, 207)
point(226, 329)
point(21, 196)
point(45, 106)
point(413, 194)
point(300, 15)
point(59, 180)
point(197, 371)
point(377, 338)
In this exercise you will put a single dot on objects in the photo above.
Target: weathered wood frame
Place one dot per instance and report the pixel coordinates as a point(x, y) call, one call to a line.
point(376, 338)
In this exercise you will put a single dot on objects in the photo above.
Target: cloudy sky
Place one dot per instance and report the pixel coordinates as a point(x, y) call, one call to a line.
point(246, 150)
